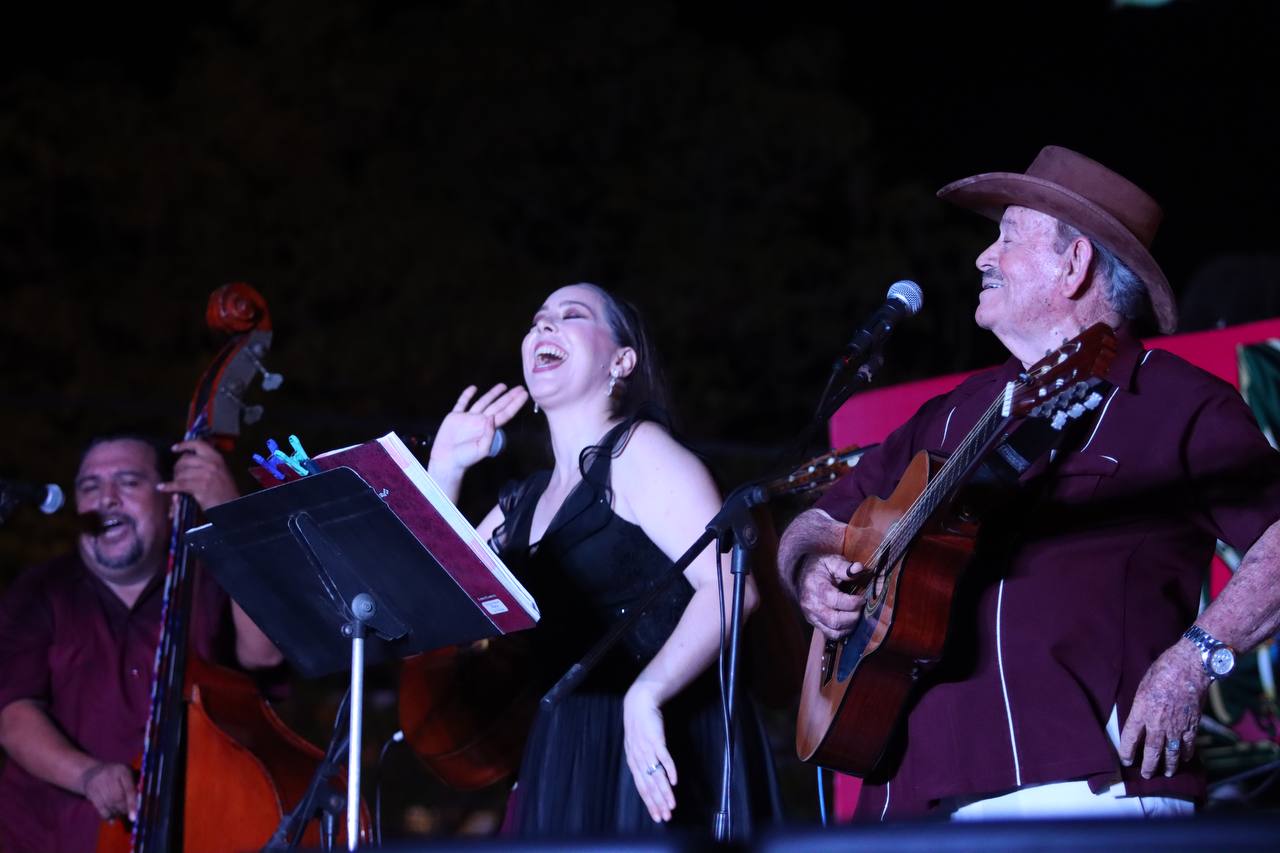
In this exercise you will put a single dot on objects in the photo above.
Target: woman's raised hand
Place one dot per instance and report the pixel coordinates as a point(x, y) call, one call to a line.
point(466, 433)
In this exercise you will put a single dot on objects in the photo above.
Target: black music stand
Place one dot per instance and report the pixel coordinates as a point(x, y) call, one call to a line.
point(322, 563)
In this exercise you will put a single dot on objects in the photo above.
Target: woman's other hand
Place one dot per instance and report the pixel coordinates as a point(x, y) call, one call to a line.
point(645, 744)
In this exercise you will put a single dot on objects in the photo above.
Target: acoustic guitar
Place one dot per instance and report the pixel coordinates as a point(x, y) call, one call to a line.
point(913, 546)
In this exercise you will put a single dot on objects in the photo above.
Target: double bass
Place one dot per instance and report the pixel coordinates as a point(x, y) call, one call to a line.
point(218, 767)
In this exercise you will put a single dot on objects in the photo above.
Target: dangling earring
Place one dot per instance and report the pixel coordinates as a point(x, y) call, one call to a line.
point(535, 407)
point(613, 381)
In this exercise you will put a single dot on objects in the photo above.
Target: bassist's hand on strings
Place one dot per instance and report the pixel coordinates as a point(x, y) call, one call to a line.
point(823, 581)
point(111, 789)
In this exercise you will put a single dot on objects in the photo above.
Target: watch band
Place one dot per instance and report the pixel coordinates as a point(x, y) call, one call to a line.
point(1207, 644)
point(1202, 639)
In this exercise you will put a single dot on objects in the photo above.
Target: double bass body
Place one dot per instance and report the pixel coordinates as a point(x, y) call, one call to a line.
point(243, 767)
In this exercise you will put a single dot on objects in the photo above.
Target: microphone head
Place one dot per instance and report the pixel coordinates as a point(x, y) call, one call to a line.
point(499, 442)
point(53, 499)
point(908, 293)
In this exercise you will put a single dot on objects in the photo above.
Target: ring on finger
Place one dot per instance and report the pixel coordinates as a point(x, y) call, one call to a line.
point(1174, 744)
point(653, 768)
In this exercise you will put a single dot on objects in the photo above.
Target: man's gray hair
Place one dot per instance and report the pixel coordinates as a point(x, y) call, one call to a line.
point(1123, 290)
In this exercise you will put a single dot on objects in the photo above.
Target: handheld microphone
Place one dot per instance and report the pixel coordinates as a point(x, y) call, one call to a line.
point(498, 444)
point(47, 498)
point(904, 299)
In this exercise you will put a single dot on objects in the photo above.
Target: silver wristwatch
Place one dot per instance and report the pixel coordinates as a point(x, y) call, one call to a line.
point(1216, 656)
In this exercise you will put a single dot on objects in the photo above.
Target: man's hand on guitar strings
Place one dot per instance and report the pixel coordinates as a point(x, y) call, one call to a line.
point(823, 599)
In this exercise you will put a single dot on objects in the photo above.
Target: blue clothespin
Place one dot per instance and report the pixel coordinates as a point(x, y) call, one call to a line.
point(300, 456)
point(281, 456)
point(270, 463)
point(298, 461)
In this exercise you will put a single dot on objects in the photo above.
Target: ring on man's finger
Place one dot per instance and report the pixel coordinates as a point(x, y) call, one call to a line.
point(1174, 744)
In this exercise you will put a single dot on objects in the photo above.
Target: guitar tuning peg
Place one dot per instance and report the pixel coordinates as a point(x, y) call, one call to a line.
point(252, 414)
point(1059, 421)
point(1093, 401)
point(1076, 410)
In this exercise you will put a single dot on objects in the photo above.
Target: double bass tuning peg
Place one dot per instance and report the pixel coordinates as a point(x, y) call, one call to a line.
point(270, 381)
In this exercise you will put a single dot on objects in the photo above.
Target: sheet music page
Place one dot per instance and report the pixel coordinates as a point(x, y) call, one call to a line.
point(413, 469)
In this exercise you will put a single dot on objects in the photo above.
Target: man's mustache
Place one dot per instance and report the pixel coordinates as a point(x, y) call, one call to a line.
point(95, 523)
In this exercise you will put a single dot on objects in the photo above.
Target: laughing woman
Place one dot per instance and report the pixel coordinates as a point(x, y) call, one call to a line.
point(638, 745)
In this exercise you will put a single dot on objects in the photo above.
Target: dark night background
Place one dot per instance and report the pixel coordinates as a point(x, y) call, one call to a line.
point(405, 182)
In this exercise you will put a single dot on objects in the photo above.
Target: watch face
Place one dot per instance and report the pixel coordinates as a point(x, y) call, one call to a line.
point(1222, 661)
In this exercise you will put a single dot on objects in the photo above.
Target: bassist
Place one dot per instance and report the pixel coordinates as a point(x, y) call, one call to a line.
point(78, 636)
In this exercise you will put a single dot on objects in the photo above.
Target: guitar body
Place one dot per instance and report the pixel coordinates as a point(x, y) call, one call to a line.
point(856, 689)
point(466, 711)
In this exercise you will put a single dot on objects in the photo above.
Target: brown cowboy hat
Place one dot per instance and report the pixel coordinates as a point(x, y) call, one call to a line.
point(1087, 195)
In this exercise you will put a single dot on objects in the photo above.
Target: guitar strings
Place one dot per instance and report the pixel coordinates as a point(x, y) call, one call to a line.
point(927, 502)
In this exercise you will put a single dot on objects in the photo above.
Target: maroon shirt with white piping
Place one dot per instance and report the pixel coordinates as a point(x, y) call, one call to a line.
point(1076, 587)
point(67, 641)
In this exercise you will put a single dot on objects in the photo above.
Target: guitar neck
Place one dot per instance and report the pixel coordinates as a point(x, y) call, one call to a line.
point(943, 487)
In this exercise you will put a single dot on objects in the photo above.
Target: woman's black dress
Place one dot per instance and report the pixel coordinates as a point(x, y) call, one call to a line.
point(590, 569)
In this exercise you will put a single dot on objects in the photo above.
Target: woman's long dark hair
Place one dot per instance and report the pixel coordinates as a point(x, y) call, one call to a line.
point(646, 385)
point(640, 396)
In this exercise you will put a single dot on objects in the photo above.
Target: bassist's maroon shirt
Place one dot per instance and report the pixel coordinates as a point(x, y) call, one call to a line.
point(1077, 585)
point(68, 641)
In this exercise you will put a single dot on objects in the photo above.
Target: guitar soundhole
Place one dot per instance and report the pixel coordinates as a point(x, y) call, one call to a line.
point(876, 594)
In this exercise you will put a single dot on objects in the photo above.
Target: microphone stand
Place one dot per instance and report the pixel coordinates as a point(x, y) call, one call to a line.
point(733, 529)
point(834, 395)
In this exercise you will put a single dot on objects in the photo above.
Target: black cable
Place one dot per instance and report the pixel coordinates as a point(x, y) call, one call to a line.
point(398, 737)
point(1247, 774)
point(721, 665)
point(296, 823)
point(726, 712)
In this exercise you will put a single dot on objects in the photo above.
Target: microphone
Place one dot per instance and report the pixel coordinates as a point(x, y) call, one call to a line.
point(904, 299)
point(47, 498)
point(498, 444)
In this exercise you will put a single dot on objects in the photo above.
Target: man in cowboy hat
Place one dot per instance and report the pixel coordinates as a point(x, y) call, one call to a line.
point(1076, 663)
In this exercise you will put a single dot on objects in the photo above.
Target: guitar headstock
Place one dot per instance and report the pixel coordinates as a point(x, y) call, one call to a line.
point(1060, 386)
point(817, 473)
